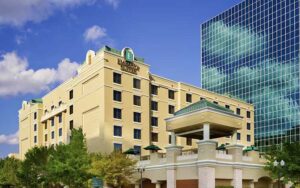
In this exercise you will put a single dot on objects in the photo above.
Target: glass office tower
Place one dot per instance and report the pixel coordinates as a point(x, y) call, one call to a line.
point(251, 51)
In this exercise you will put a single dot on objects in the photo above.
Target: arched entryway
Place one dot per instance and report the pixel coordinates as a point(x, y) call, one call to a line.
point(264, 182)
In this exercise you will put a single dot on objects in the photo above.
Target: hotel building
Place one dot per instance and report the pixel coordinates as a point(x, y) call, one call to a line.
point(119, 104)
point(251, 51)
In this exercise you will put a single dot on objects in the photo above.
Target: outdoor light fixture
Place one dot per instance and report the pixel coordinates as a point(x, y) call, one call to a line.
point(279, 165)
point(141, 169)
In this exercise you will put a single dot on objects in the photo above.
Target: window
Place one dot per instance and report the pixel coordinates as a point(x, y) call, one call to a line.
point(137, 117)
point(46, 111)
point(170, 139)
point(248, 138)
point(52, 121)
point(215, 102)
point(188, 97)
point(248, 126)
point(59, 103)
point(117, 96)
point(71, 124)
point(189, 141)
point(248, 114)
point(117, 113)
point(171, 109)
point(136, 100)
point(154, 121)
point(46, 137)
point(136, 83)
point(154, 105)
point(137, 149)
point(137, 134)
point(34, 127)
point(52, 135)
point(35, 139)
point(71, 109)
point(60, 118)
point(52, 107)
point(238, 111)
point(154, 90)
point(117, 130)
point(201, 98)
point(154, 137)
point(117, 147)
point(46, 125)
point(227, 106)
point(60, 132)
point(238, 136)
point(34, 115)
point(117, 78)
point(71, 94)
point(171, 94)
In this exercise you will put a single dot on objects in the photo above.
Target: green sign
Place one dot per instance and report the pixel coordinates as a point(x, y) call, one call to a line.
point(128, 55)
point(97, 183)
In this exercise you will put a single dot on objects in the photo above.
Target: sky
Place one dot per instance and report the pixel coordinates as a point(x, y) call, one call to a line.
point(42, 42)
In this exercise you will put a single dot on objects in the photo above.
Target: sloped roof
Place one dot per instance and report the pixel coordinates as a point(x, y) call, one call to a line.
point(202, 104)
point(36, 100)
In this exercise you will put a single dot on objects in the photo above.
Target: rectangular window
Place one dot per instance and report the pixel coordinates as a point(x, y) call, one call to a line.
point(71, 94)
point(71, 109)
point(227, 106)
point(201, 98)
point(117, 130)
point(52, 135)
point(188, 97)
point(35, 139)
point(71, 124)
point(248, 126)
point(137, 117)
point(248, 138)
point(46, 125)
point(248, 114)
point(117, 113)
point(59, 103)
point(238, 111)
point(117, 96)
point(52, 121)
point(137, 134)
point(154, 105)
point(154, 90)
point(154, 121)
point(60, 118)
point(136, 83)
point(188, 141)
point(170, 139)
point(117, 78)
point(171, 109)
point(34, 127)
point(60, 132)
point(215, 102)
point(117, 147)
point(238, 136)
point(46, 137)
point(137, 100)
point(154, 137)
point(34, 115)
point(137, 149)
point(52, 107)
point(171, 94)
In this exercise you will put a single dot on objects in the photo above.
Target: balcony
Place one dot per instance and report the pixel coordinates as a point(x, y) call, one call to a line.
point(54, 112)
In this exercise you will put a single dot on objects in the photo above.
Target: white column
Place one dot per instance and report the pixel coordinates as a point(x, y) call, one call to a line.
point(171, 178)
point(234, 137)
point(157, 185)
point(237, 181)
point(252, 184)
point(206, 131)
point(173, 139)
point(137, 186)
point(206, 177)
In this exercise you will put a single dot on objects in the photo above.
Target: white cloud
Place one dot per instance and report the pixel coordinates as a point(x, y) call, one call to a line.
point(114, 3)
point(16, 78)
point(11, 139)
point(94, 33)
point(18, 12)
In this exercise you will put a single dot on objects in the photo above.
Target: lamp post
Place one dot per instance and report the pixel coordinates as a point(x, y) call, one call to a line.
point(141, 169)
point(279, 165)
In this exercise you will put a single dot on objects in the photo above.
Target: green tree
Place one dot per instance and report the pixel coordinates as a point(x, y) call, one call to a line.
point(33, 171)
point(69, 164)
point(116, 169)
point(8, 171)
point(290, 153)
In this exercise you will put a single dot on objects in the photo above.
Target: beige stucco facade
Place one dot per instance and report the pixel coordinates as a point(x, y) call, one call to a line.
point(93, 107)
